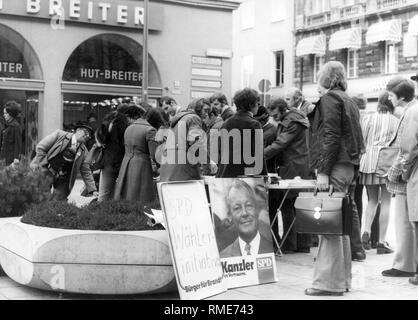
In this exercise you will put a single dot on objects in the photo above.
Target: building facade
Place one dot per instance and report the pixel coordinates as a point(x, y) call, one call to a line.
point(263, 45)
point(374, 39)
point(64, 60)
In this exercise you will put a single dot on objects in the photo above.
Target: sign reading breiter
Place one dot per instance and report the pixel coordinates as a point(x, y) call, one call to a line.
point(128, 14)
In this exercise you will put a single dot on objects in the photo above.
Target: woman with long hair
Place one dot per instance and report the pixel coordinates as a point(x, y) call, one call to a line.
point(378, 130)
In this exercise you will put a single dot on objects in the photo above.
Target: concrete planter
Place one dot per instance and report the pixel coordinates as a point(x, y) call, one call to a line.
point(91, 262)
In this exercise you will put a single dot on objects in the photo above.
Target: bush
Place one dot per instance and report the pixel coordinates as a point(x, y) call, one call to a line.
point(103, 216)
point(21, 187)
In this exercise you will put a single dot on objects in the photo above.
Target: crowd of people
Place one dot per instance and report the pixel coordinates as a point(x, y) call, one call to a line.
point(333, 141)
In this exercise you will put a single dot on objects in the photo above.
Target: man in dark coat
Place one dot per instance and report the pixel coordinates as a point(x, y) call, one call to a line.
point(62, 155)
point(245, 150)
point(290, 150)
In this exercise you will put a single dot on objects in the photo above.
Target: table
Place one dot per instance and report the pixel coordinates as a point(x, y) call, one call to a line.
point(294, 184)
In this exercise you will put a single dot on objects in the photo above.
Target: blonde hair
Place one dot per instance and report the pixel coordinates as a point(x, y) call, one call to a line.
point(332, 75)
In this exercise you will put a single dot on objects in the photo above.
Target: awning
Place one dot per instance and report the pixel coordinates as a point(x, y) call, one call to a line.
point(345, 39)
point(413, 26)
point(311, 45)
point(390, 30)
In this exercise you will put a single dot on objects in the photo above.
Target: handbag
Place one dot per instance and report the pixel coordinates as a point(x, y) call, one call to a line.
point(95, 157)
point(324, 213)
point(385, 159)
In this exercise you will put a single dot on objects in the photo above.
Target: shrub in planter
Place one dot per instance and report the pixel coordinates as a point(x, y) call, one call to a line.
point(103, 216)
point(20, 187)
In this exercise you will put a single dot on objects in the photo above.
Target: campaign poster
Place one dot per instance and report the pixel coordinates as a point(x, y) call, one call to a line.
point(242, 229)
point(193, 244)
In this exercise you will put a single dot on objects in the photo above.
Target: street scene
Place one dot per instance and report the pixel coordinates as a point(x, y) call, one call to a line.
point(209, 150)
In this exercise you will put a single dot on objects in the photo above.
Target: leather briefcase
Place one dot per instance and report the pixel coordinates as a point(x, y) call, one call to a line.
point(324, 213)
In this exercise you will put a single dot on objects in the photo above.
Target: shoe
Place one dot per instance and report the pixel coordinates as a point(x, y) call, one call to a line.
point(397, 273)
point(358, 256)
point(383, 248)
point(414, 280)
point(317, 292)
point(365, 239)
point(304, 250)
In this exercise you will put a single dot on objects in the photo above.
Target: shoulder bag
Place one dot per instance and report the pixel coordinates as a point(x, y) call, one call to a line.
point(324, 213)
point(385, 159)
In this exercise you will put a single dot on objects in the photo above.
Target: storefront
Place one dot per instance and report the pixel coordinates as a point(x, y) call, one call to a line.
point(66, 60)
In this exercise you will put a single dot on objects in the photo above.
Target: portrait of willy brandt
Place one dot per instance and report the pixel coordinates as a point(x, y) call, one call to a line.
point(243, 212)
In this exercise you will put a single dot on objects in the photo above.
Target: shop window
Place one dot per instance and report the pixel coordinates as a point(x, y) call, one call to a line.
point(391, 58)
point(352, 63)
point(247, 69)
point(110, 59)
point(279, 68)
point(318, 63)
point(247, 14)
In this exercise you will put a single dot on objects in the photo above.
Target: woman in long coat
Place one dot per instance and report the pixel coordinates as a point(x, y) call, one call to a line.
point(135, 180)
point(11, 135)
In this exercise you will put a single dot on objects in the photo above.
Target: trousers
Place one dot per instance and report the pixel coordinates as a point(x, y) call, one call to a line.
point(332, 269)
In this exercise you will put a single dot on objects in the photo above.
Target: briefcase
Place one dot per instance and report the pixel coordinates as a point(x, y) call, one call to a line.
point(325, 213)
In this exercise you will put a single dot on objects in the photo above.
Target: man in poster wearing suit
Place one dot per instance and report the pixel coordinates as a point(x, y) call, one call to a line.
point(244, 213)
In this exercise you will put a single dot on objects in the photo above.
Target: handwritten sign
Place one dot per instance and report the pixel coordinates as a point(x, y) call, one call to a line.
point(192, 239)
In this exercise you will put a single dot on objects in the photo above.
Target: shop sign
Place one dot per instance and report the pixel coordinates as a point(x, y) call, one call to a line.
point(241, 210)
point(127, 14)
point(98, 75)
point(193, 246)
point(11, 69)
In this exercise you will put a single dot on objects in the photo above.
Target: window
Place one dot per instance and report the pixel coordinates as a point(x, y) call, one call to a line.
point(318, 63)
point(247, 14)
point(247, 66)
point(278, 10)
point(352, 63)
point(391, 58)
point(279, 68)
point(317, 6)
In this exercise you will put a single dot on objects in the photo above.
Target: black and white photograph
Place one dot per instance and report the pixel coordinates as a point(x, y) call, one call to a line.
point(207, 150)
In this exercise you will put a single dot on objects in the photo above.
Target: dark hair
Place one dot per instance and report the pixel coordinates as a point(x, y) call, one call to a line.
point(332, 75)
point(360, 100)
point(197, 105)
point(262, 115)
point(154, 118)
point(384, 105)
point(122, 107)
point(134, 112)
point(167, 99)
point(402, 88)
point(245, 99)
point(278, 103)
point(13, 109)
point(146, 106)
point(220, 97)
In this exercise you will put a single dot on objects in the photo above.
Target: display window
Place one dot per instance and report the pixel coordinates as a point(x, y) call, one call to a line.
point(111, 62)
